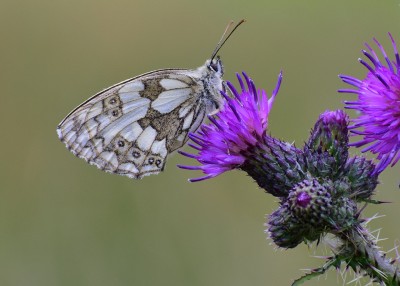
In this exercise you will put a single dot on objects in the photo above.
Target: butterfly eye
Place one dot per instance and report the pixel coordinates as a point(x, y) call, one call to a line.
point(213, 66)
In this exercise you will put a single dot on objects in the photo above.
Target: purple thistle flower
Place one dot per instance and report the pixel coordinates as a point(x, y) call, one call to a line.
point(379, 106)
point(240, 124)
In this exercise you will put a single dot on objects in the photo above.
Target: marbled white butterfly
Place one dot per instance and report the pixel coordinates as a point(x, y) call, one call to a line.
point(131, 127)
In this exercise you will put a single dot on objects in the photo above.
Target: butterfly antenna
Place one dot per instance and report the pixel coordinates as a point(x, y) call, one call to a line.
point(223, 39)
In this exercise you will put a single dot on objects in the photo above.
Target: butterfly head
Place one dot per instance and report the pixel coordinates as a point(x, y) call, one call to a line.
point(215, 65)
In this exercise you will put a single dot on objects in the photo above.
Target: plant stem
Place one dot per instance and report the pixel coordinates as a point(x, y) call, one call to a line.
point(360, 252)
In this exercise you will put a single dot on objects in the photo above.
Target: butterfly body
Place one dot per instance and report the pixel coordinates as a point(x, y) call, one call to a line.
point(131, 127)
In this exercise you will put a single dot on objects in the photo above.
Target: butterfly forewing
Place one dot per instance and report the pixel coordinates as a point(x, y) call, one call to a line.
point(131, 127)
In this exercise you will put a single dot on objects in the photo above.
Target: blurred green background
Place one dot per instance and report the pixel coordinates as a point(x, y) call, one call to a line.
point(63, 222)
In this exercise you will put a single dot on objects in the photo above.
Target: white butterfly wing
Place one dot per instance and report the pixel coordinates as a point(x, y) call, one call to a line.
point(131, 127)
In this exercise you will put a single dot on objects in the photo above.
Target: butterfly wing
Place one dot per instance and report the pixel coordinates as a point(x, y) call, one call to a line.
point(131, 127)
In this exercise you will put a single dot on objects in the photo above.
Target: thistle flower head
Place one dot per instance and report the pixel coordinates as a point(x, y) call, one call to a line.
point(240, 124)
point(311, 210)
point(327, 146)
point(379, 106)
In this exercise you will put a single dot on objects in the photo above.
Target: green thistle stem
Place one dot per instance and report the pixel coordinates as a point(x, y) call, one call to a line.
point(360, 252)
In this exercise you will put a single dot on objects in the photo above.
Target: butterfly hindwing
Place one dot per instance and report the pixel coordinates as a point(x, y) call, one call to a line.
point(130, 128)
